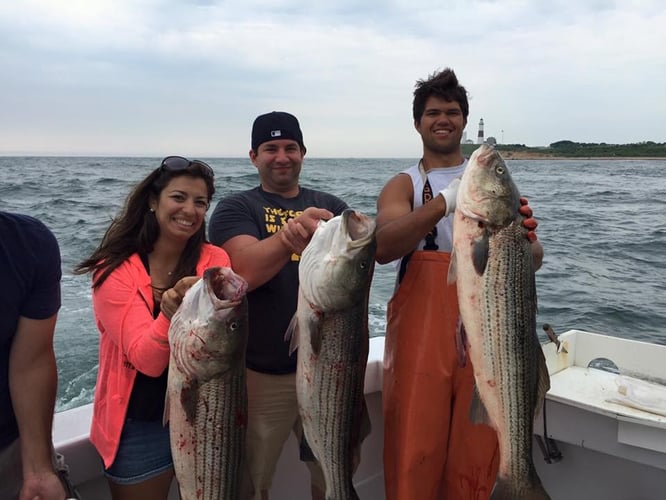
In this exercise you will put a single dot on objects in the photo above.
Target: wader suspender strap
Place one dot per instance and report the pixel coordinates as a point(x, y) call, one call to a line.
point(426, 197)
point(430, 244)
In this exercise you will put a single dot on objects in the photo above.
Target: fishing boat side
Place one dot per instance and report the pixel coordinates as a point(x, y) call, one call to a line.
point(609, 447)
point(606, 449)
point(71, 430)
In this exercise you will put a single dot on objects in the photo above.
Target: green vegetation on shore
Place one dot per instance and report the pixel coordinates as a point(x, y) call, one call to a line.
point(570, 149)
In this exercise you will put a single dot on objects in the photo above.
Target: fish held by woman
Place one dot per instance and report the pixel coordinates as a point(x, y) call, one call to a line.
point(492, 265)
point(206, 394)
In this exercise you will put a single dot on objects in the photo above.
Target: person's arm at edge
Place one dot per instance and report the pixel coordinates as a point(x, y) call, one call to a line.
point(33, 381)
point(399, 228)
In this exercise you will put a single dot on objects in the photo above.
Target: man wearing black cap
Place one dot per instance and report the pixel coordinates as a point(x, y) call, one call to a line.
point(264, 230)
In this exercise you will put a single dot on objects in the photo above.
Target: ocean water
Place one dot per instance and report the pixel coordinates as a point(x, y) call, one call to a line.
point(602, 223)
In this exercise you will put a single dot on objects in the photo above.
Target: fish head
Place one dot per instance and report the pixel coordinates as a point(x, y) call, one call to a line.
point(336, 267)
point(208, 332)
point(215, 302)
point(224, 284)
point(225, 295)
point(487, 192)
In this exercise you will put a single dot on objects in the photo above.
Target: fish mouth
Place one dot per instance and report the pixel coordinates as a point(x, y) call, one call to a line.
point(359, 227)
point(225, 285)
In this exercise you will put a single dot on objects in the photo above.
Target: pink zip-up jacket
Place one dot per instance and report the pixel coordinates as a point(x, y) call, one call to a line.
point(130, 340)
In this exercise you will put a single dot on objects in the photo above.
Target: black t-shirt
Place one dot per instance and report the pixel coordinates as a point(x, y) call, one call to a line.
point(30, 276)
point(271, 306)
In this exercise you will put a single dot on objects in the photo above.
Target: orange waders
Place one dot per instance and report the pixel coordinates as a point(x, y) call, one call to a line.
point(431, 449)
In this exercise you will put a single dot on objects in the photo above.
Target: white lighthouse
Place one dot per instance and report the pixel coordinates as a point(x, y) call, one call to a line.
point(479, 137)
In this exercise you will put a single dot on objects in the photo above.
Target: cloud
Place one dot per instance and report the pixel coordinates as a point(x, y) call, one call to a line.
point(138, 77)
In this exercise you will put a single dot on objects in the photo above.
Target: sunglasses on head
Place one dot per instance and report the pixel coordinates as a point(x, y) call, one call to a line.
point(178, 163)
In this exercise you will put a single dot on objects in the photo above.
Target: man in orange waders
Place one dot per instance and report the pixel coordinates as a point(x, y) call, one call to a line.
point(431, 449)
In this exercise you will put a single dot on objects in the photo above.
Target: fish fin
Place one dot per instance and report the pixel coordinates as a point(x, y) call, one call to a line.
point(310, 325)
point(451, 277)
point(291, 335)
point(461, 343)
point(477, 410)
point(364, 430)
point(480, 254)
point(505, 488)
point(305, 451)
point(165, 415)
point(543, 383)
point(502, 489)
point(189, 396)
point(366, 425)
point(315, 333)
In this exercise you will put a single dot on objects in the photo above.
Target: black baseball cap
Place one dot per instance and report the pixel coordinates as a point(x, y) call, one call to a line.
point(276, 125)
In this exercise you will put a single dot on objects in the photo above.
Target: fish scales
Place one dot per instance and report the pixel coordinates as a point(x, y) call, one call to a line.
point(337, 398)
point(508, 287)
point(330, 329)
point(207, 395)
point(492, 265)
point(218, 439)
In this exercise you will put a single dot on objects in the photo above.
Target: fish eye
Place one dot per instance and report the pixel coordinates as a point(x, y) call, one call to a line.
point(499, 169)
point(233, 326)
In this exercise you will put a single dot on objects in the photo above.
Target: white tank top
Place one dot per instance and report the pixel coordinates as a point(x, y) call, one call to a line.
point(439, 178)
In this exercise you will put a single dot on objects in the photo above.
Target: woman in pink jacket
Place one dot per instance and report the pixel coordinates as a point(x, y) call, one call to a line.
point(150, 255)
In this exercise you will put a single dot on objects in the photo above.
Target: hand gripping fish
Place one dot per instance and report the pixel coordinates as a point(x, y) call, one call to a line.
point(492, 264)
point(330, 329)
point(206, 394)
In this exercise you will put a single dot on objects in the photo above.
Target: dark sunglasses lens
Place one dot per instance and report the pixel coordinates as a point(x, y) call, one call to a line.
point(174, 163)
point(205, 166)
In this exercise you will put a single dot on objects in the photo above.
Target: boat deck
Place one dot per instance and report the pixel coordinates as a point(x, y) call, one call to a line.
point(599, 391)
point(607, 420)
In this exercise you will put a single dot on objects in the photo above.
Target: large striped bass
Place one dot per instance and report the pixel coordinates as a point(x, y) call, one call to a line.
point(331, 333)
point(207, 394)
point(492, 264)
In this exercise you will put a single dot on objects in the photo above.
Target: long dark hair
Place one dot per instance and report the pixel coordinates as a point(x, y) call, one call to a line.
point(136, 229)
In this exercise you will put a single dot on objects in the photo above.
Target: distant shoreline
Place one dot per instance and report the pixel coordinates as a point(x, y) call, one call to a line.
point(529, 155)
point(568, 150)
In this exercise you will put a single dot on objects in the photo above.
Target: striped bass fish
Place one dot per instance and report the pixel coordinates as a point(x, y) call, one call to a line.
point(330, 329)
point(492, 264)
point(206, 403)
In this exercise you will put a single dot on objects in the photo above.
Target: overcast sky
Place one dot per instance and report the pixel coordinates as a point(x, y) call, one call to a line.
point(157, 77)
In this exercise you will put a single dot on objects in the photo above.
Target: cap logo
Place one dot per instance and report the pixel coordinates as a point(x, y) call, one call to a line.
point(276, 133)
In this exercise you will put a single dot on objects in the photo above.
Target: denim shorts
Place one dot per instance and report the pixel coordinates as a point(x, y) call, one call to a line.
point(144, 452)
